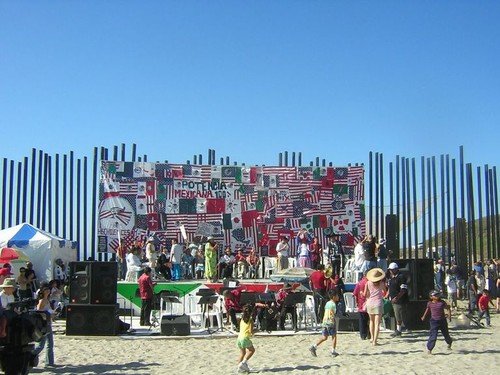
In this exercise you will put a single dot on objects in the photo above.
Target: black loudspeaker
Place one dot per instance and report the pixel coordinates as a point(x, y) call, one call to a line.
point(93, 282)
point(104, 283)
point(414, 312)
point(175, 325)
point(349, 323)
point(392, 234)
point(419, 275)
point(423, 276)
point(94, 320)
point(79, 282)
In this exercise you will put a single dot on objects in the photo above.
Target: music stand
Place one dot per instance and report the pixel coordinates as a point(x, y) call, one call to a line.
point(169, 297)
point(155, 322)
point(206, 300)
point(293, 298)
point(266, 297)
point(248, 298)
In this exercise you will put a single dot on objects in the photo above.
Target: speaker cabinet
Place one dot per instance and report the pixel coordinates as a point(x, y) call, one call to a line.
point(419, 275)
point(79, 282)
point(348, 323)
point(94, 320)
point(175, 325)
point(414, 312)
point(423, 276)
point(392, 234)
point(104, 278)
point(93, 282)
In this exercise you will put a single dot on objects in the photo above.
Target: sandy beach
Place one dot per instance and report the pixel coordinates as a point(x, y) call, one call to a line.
point(475, 350)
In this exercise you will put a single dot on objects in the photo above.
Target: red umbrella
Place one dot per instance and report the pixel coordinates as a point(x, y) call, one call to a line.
point(7, 254)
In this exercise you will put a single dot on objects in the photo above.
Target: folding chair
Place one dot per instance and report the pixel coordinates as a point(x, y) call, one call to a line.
point(350, 302)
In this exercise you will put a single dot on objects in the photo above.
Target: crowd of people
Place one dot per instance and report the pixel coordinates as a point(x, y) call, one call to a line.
point(48, 297)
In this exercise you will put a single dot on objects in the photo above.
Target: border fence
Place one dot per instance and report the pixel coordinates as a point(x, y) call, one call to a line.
point(422, 207)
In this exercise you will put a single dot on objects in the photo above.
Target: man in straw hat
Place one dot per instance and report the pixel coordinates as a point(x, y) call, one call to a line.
point(7, 294)
point(6, 297)
point(374, 292)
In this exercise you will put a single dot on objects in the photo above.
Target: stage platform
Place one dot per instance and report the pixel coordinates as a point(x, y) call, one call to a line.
point(129, 299)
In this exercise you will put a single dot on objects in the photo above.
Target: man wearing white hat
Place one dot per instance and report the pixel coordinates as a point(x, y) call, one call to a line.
point(398, 294)
point(7, 293)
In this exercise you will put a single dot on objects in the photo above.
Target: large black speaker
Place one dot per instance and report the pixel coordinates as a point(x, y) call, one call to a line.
point(94, 320)
point(349, 323)
point(414, 312)
point(419, 275)
point(392, 234)
point(80, 279)
point(104, 282)
point(176, 325)
point(93, 282)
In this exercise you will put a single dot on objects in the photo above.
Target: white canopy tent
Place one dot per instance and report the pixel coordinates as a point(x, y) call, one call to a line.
point(41, 247)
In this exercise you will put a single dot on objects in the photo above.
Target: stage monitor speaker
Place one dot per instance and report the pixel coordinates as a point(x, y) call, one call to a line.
point(176, 325)
point(349, 323)
point(93, 320)
point(104, 283)
point(392, 234)
point(80, 279)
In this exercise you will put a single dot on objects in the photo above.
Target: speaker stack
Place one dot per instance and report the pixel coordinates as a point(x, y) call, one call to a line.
point(92, 294)
point(420, 280)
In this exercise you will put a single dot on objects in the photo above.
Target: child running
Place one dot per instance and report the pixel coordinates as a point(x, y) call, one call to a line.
point(484, 308)
point(328, 324)
point(244, 343)
point(436, 306)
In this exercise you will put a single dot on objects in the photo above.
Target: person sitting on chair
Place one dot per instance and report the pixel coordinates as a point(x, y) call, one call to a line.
point(233, 305)
point(253, 265)
point(241, 264)
point(226, 263)
point(163, 263)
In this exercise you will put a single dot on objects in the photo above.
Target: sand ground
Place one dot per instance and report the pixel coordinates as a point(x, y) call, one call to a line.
point(475, 351)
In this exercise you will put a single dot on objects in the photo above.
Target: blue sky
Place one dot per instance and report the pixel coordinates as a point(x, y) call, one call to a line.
point(250, 79)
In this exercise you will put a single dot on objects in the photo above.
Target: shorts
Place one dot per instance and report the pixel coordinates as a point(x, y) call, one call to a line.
point(329, 331)
point(399, 312)
point(244, 343)
point(375, 309)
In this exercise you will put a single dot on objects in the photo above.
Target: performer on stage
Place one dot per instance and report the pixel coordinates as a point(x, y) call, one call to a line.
point(303, 241)
point(285, 308)
point(282, 249)
point(226, 264)
point(211, 255)
point(233, 305)
point(336, 254)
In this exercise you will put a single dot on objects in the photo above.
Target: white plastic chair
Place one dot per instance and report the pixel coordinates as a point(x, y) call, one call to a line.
point(270, 266)
point(306, 312)
point(216, 312)
point(195, 311)
point(350, 302)
point(292, 262)
point(349, 271)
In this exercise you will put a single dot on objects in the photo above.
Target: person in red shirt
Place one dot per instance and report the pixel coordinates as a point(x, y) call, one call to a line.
point(364, 318)
point(146, 293)
point(233, 305)
point(317, 283)
point(484, 308)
